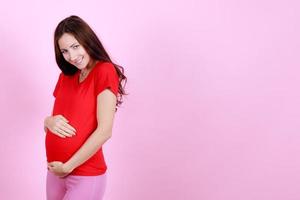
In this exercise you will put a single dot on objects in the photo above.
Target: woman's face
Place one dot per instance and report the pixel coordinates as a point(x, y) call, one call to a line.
point(73, 52)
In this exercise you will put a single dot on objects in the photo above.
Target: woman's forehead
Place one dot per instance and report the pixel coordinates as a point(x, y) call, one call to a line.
point(66, 40)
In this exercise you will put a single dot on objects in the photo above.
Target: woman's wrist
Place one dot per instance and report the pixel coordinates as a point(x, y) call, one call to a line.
point(67, 167)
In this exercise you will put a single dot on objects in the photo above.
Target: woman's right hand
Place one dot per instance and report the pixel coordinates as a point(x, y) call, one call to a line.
point(59, 126)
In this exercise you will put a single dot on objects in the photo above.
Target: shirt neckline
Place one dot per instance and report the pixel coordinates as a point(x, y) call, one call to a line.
point(84, 80)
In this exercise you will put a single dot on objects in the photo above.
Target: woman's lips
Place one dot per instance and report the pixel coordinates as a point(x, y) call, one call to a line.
point(77, 62)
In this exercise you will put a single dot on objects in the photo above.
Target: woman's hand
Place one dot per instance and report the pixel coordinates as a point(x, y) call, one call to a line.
point(59, 168)
point(59, 126)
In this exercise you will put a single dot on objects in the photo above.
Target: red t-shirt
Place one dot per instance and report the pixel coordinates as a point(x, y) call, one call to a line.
point(77, 102)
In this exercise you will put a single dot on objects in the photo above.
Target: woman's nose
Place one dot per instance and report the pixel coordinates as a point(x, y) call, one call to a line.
point(72, 56)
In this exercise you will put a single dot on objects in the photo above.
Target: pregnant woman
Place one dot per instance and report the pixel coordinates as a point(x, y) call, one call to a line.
point(88, 91)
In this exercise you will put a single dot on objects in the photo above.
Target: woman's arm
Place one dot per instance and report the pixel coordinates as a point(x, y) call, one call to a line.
point(106, 105)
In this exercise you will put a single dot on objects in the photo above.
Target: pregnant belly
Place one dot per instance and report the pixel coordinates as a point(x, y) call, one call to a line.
point(62, 149)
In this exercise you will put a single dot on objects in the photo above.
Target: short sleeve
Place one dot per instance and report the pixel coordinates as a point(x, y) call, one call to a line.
point(106, 77)
point(58, 84)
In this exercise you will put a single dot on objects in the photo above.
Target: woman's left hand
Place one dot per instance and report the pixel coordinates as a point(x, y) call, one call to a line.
point(58, 168)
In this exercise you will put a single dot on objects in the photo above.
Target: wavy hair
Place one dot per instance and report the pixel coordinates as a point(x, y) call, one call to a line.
point(88, 39)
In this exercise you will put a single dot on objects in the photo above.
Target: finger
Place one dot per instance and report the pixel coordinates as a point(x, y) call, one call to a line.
point(69, 126)
point(63, 133)
point(57, 132)
point(62, 177)
point(67, 131)
point(51, 165)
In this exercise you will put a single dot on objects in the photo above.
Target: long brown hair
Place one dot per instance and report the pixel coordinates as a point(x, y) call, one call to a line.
point(88, 39)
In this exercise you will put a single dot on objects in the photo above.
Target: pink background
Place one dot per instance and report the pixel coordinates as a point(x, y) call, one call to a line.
point(213, 111)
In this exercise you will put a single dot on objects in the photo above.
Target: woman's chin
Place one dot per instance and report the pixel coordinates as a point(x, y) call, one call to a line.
point(80, 67)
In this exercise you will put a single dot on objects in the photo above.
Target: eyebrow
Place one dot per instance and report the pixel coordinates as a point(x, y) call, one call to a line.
point(70, 46)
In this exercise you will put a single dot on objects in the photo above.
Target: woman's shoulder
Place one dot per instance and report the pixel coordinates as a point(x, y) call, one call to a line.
point(66, 77)
point(61, 76)
point(104, 66)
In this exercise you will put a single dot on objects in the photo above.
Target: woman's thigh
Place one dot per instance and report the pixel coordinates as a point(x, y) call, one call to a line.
point(85, 187)
point(55, 187)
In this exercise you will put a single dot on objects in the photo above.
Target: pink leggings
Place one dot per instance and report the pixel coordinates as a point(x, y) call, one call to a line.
point(75, 187)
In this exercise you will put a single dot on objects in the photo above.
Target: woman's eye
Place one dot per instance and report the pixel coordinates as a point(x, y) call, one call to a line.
point(76, 46)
